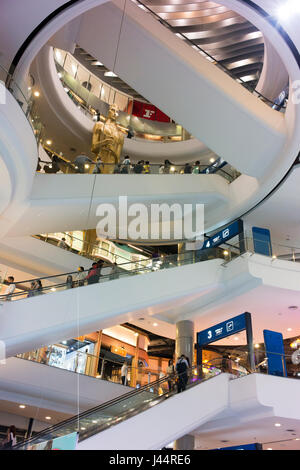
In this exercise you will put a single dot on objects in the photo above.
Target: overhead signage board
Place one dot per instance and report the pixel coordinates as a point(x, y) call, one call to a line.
point(255, 446)
point(224, 235)
point(222, 330)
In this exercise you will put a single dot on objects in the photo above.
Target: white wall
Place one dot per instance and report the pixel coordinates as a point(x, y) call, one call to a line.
point(38, 257)
point(167, 421)
point(51, 388)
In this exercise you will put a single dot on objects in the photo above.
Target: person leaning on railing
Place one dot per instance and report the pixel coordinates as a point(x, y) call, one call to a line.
point(10, 288)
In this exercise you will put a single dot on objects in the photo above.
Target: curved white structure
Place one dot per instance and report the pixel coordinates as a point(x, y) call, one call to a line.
point(258, 141)
point(197, 292)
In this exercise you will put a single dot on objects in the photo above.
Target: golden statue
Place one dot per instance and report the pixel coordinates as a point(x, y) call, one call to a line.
point(107, 141)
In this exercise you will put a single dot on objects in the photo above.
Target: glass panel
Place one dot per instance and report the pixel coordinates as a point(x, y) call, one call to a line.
point(115, 411)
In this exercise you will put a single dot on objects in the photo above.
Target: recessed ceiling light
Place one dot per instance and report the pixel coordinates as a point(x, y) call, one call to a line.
point(36, 93)
point(110, 74)
point(155, 324)
point(269, 448)
point(22, 406)
point(277, 425)
point(289, 329)
point(48, 417)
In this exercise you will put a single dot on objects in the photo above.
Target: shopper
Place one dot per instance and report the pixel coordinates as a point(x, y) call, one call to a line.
point(80, 163)
point(93, 274)
point(147, 168)
point(124, 372)
point(167, 166)
point(182, 370)
point(62, 244)
point(196, 169)
point(10, 288)
point(170, 373)
point(125, 168)
point(11, 438)
point(187, 168)
point(33, 287)
point(39, 287)
point(69, 282)
point(138, 167)
point(98, 166)
point(80, 276)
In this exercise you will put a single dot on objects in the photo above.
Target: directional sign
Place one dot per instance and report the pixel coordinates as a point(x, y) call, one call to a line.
point(226, 328)
point(224, 235)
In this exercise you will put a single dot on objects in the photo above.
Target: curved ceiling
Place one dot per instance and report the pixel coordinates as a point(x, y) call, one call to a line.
point(225, 35)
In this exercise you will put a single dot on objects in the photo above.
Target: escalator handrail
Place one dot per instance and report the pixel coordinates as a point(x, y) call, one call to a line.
point(112, 402)
point(166, 258)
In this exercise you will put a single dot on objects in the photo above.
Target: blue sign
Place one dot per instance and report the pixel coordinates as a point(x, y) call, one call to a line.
point(224, 235)
point(262, 241)
point(242, 447)
point(226, 328)
point(275, 353)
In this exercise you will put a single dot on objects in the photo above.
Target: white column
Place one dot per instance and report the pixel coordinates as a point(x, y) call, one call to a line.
point(185, 339)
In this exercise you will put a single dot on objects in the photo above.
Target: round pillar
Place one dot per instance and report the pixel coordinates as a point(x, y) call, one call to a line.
point(185, 443)
point(185, 340)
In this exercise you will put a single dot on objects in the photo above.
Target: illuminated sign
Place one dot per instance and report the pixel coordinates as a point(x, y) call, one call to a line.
point(227, 328)
point(224, 235)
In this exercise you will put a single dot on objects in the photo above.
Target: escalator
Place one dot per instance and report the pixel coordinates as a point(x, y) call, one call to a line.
point(130, 421)
point(31, 319)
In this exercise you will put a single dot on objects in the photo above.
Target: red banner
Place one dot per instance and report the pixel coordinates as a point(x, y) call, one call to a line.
point(148, 111)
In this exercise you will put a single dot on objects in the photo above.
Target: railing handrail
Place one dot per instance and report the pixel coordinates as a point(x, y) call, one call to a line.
point(109, 403)
point(141, 265)
point(194, 44)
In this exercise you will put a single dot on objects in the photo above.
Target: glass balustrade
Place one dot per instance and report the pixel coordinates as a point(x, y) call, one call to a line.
point(279, 105)
point(74, 356)
point(227, 252)
point(93, 97)
point(44, 285)
point(115, 411)
point(102, 249)
point(60, 164)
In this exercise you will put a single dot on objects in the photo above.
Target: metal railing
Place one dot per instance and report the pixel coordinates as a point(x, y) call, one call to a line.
point(121, 408)
point(88, 364)
point(75, 279)
point(93, 251)
point(60, 163)
point(227, 252)
point(194, 45)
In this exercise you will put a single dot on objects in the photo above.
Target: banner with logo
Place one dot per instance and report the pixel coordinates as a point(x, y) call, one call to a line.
point(148, 111)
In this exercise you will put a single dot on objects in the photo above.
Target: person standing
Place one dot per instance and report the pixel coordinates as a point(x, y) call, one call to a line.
point(69, 282)
point(93, 274)
point(182, 371)
point(196, 169)
point(170, 373)
point(124, 372)
point(10, 288)
point(11, 438)
point(80, 276)
point(187, 168)
point(62, 244)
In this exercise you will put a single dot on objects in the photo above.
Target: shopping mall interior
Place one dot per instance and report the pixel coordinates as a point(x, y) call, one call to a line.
point(149, 225)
